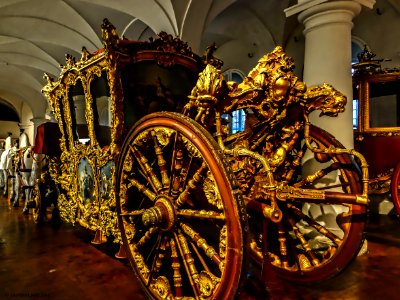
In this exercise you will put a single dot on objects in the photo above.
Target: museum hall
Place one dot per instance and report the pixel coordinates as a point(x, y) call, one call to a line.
point(215, 149)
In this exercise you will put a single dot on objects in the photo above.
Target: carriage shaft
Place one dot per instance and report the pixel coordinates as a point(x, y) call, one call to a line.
point(318, 196)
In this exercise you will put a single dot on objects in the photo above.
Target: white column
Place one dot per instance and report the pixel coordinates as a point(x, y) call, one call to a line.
point(38, 121)
point(327, 57)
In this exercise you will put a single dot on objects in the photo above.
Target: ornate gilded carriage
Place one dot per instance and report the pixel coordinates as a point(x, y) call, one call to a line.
point(189, 203)
point(377, 132)
point(96, 100)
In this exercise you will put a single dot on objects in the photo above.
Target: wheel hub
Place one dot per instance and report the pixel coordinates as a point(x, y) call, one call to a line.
point(162, 214)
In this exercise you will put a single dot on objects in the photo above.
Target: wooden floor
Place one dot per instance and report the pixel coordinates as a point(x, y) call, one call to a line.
point(57, 261)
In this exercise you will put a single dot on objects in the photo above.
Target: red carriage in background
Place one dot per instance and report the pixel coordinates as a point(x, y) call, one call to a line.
point(377, 128)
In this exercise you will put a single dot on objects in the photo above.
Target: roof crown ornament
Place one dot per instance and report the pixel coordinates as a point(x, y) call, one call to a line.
point(367, 63)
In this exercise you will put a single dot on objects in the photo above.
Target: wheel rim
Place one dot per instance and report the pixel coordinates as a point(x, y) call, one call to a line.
point(177, 203)
point(395, 189)
point(299, 251)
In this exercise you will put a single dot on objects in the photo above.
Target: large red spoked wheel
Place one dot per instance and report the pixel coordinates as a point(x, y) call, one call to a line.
point(181, 218)
point(313, 241)
point(395, 187)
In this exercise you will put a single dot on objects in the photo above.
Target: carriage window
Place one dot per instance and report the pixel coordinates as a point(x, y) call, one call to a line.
point(356, 102)
point(237, 119)
point(356, 49)
point(355, 113)
point(71, 103)
point(100, 91)
point(149, 87)
point(77, 100)
point(384, 105)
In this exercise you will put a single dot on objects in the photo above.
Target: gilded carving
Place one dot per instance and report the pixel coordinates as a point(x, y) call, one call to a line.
point(201, 242)
point(208, 283)
point(222, 242)
point(163, 135)
point(190, 147)
point(270, 90)
point(211, 191)
point(162, 287)
point(67, 209)
point(140, 264)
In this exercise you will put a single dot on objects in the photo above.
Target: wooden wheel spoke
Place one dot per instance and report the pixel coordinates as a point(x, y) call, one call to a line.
point(301, 260)
point(142, 189)
point(176, 166)
point(321, 229)
point(203, 283)
point(161, 161)
point(283, 246)
point(158, 258)
point(303, 241)
point(185, 172)
point(199, 256)
point(176, 267)
point(133, 213)
point(188, 262)
point(201, 214)
point(146, 168)
point(192, 184)
point(146, 237)
point(318, 175)
point(201, 242)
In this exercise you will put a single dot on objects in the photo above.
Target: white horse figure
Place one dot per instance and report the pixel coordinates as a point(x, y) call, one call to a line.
point(8, 142)
point(3, 163)
point(7, 169)
point(29, 166)
point(23, 168)
point(31, 179)
point(1, 171)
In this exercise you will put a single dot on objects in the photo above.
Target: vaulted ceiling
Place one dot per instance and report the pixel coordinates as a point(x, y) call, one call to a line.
point(35, 35)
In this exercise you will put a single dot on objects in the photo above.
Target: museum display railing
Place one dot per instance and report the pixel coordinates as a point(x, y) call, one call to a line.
point(377, 130)
point(146, 160)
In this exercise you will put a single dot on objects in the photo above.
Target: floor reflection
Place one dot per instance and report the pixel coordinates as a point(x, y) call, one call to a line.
point(57, 261)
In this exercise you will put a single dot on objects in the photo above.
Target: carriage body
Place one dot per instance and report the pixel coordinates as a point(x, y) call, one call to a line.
point(146, 160)
point(95, 102)
point(377, 131)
